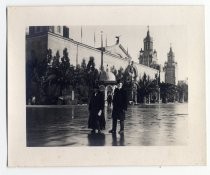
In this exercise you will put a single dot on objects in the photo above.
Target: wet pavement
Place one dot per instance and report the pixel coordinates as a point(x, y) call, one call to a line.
point(145, 125)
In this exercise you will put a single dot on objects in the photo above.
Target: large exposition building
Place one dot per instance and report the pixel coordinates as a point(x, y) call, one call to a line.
point(56, 38)
point(41, 38)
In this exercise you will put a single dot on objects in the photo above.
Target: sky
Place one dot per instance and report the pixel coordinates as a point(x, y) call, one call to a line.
point(132, 37)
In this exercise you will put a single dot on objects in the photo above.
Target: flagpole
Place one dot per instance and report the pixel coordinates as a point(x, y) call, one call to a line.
point(81, 34)
point(94, 39)
point(106, 40)
point(102, 50)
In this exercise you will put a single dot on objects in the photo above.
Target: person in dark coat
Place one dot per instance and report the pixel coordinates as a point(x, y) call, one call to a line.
point(109, 100)
point(119, 108)
point(96, 119)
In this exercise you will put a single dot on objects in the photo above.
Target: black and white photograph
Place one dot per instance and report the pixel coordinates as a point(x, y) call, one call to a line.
point(106, 86)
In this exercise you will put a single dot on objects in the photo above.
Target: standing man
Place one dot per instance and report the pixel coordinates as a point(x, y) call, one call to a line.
point(119, 108)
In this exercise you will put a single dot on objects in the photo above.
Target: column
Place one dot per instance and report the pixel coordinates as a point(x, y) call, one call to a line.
point(105, 95)
point(158, 95)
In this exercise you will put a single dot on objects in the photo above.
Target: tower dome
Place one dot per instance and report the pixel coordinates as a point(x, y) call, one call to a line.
point(103, 75)
point(107, 77)
point(110, 76)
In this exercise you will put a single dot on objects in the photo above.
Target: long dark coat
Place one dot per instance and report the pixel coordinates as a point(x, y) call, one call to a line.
point(96, 104)
point(119, 104)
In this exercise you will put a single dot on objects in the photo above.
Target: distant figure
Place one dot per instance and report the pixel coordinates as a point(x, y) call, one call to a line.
point(109, 99)
point(29, 101)
point(33, 101)
point(96, 111)
point(119, 108)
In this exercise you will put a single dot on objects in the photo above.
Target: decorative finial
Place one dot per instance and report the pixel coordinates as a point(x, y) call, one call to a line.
point(147, 30)
point(170, 47)
point(107, 68)
point(118, 39)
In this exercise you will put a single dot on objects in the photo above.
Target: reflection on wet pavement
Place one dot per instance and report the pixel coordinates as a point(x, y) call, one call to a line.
point(145, 125)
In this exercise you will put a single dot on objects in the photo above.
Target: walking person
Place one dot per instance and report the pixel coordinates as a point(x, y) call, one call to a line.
point(119, 108)
point(96, 119)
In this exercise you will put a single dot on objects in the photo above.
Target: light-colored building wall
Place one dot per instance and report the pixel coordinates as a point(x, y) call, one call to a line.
point(78, 52)
point(162, 77)
point(84, 52)
point(147, 70)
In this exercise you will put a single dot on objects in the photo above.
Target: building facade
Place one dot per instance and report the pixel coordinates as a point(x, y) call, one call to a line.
point(56, 38)
point(170, 68)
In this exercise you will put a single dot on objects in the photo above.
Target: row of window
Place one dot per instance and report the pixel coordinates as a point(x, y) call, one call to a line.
point(147, 46)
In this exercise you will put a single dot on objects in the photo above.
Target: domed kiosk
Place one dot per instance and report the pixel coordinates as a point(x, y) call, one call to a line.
point(107, 82)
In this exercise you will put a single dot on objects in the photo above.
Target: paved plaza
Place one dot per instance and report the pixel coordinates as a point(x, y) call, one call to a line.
point(145, 125)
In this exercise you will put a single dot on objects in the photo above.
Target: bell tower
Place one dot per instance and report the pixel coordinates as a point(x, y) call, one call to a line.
point(148, 56)
point(148, 42)
point(171, 68)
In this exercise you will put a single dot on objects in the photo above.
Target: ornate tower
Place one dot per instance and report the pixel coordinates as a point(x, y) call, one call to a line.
point(147, 56)
point(148, 42)
point(171, 68)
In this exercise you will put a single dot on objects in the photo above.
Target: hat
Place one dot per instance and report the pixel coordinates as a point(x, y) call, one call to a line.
point(119, 81)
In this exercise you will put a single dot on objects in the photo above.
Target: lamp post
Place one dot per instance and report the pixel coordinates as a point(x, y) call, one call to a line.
point(102, 50)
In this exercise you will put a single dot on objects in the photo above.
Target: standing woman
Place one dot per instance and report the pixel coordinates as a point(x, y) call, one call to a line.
point(96, 110)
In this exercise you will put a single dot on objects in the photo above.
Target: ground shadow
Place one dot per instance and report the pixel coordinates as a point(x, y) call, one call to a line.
point(96, 139)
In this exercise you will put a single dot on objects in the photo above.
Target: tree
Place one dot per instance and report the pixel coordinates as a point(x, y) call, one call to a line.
point(83, 64)
point(55, 63)
point(168, 92)
point(120, 74)
point(182, 89)
point(143, 88)
point(114, 70)
point(92, 72)
point(57, 77)
point(32, 77)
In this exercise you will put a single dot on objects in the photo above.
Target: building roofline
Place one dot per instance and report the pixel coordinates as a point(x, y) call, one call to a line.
point(84, 45)
point(123, 49)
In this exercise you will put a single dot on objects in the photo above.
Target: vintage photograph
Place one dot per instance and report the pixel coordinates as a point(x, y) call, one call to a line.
point(106, 85)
